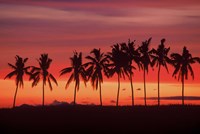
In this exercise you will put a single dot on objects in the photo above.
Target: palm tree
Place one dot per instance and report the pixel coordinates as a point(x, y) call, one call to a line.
point(18, 70)
point(97, 64)
point(182, 64)
point(133, 55)
point(160, 58)
point(77, 69)
point(118, 60)
point(41, 72)
point(145, 61)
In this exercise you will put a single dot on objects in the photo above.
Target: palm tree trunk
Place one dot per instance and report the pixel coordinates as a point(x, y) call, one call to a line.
point(118, 90)
point(43, 95)
point(15, 96)
point(145, 103)
point(182, 89)
point(100, 93)
point(132, 89)
point(159, 85)
point(75, 95)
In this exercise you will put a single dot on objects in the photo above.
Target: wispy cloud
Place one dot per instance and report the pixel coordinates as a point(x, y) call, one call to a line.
point(176, 98)
point(64, 25)
point(138, 16)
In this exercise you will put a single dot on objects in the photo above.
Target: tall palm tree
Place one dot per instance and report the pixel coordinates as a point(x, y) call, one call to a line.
point(160, 58)
point(118, 60)
point(97, 65)
point(182, 64)
point(133, 55)
point(145, 61)
point(42, 72)
point(18, 70)
point(78, 70)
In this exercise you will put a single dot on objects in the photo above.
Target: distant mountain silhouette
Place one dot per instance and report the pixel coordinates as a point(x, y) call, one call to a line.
point(58, 103)
point(26, 106)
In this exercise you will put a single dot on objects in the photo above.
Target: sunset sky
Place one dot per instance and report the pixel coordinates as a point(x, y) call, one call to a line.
point(31, 27)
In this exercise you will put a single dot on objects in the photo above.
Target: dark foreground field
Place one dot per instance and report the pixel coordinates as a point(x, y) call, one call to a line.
point(94, 119)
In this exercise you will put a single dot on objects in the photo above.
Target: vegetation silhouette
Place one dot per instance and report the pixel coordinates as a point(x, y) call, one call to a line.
point(96, 66)
point(77, 68)
point(19, 69)
point(119, 62)
point(182, 64)
point(41, 72)
point(145, 60)
point(133, 56)
point(160, 58)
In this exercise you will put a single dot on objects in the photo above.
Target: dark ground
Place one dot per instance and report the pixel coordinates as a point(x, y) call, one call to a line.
point(95, 119)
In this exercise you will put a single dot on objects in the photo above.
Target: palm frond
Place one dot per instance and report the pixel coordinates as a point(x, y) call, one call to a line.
point(177, 69)
point(191, 71)
point(194, 59)
point(154, 62)
point(66, 70)
point(165, 65)
point(176, 56)
point(35, 69)
point(35, 81)
point(49, 81)
point(77, 83)
point(91, 58)
point(25, 60)
point(69, 80)
point(12, 66)
point(34, 75)
point(53, 78)
point(11, 74)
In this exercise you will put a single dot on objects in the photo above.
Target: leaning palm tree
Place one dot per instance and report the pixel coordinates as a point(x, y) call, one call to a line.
point(97, 65)
point(77, 69)
point(41, 72)
point(182, 64)
point(118, 60)
point(160, 58)
point(18, 70)
point(145, 61)
point(133, 56)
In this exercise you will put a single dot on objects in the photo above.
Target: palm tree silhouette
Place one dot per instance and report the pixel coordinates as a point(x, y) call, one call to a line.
point(41, 72)
point(18, 70)
point(118, 62)
point(97, 64)
point(77, 69)
point(182, 64)
point(145, 61)
point(133, 55)
point(160, 58)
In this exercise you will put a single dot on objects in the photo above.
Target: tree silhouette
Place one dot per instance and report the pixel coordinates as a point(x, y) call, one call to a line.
point(18, 70)
point(182, 64)
point(77, 69)
point(133, 55)
point(160, 58)
point(145, 60)
point(97, 65)
point(41, 72)
point(118, 60)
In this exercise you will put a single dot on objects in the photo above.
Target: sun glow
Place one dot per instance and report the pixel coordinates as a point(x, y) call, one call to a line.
point(89, 96)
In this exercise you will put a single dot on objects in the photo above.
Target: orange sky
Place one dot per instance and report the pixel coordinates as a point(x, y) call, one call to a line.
point(29, 28)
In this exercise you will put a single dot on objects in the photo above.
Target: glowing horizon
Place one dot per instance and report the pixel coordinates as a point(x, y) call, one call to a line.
point(88, 95)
